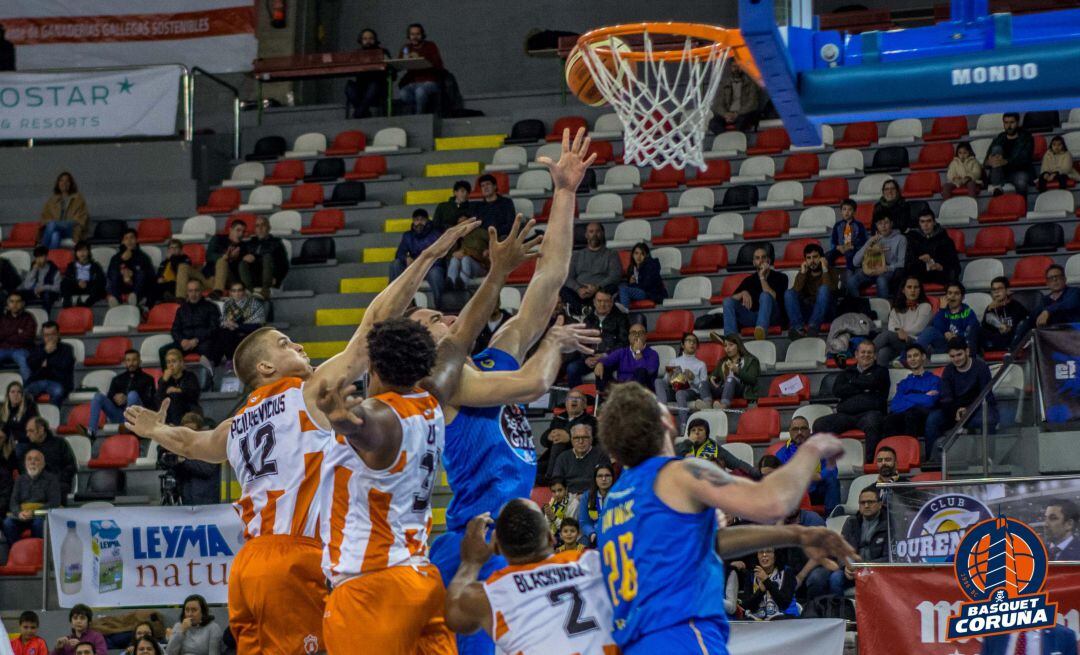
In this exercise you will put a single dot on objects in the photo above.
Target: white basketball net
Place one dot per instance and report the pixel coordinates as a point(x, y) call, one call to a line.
point(664, 106)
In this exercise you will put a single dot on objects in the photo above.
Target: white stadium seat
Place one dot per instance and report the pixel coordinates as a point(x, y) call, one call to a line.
point(307, 145)
point(621, 178)
point(723, 227)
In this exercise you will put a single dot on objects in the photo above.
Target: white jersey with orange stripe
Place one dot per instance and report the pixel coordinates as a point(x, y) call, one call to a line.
point(557, 606)
point(380, 519)
point(277, 452)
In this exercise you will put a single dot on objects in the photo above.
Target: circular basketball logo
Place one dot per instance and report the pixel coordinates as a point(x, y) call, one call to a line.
point(938, 526)
point(1000, 555)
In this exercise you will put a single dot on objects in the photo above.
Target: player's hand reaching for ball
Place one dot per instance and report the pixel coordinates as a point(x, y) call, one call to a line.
point(575, 337)
point(566, 174)
point(339, 405)
point(517, 247)
point(475, 547)
point(445, 243)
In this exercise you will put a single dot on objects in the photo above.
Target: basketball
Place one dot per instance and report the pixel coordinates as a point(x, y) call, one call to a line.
point(580, 81)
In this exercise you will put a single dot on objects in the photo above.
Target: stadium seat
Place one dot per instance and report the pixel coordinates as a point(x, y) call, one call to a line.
point(934, 156)
point(907, 453)
point(922, 184)
point(957, 237)
point(717, 420)
point(304, 196)
point(888, 160)
point(770, 224)
point(603, 205)
point(22, 235)
point(978, 273)
point(197, 253)
point(755, 169)
point(572, 123)
point(318, 250)
point(987, 125)
point(958, 211)
point(777, 398)
point(799, 166)
point(532, 183)
point(765, 351)
point(61, 257)
point(842, 163)
point(728, 144)
point(1030, 271)
point(285, 222)
point(710, 353)
point(706, 260)
point(793, 253)
point(197, 228)
point(739, 197)
point(717, 173)
point(154, 230)
point(770, 142)
point(757, 425)
point(928, 476)
point(814, 220)
point(103, 485)
point(1075, 243)
point(1044, 237)
point(368, 167)
point(828, 192)
point(805, 353)
point(26, 557)
point(630, 232)
point(326, 170)
point(388, 139)
point(119, 320)
point(540, 495)
point(347, 143)
point(722, 227)
point(1055, 203)
point(523, 273)
point(671, 325)
point(678, 231)
point(947, 128)
point(744, 259)
point(869, 189)
point(109, 352)
point(160, 317)
point(783, 194)
point(346, 194)
point(665, 177)
point(864, 213)
point(1042, 121)
point(858, 135)
point(607, 126)
point(262, 199)
point(605, 154)
point(621, 178)
point(690, 292)
point(1004, 208)
point(648, 204)
point(75, 320)
point(325, 221)
point(991, 241)
point(694, 201)
point(117, 451)
point(902, 130)
point(267, 148)
point(727, 287)
point(288, 171)
point(78, 416)
point(221, 201)
point(309, 144)
point(529, 130)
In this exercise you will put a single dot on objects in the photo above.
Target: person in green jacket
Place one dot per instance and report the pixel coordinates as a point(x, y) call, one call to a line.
point(736, 374)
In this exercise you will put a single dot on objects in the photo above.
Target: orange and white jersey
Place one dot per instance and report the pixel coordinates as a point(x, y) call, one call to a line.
point(380, 519)
point(277, 452)
point(557, 606)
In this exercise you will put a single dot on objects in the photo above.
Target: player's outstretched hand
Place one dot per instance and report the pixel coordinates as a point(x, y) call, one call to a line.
point(573, 161)
point(828, 447)
point(575, 337)
point(475, 547)
point(445, 243)
point(338, 403)
point(517, 247)
point(143, 421)
point(822, 543)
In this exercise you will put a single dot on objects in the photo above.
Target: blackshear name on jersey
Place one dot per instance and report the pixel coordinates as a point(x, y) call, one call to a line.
point(531, 580)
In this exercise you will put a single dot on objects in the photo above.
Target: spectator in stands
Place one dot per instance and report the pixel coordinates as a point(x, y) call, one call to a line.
point(142, 630)
point(961, 383)
point(498, 317)
point(146, 646)
point(964, 172)
point(643, 280)
point(1062, 520)
point(84, 280)
point(909, 316)
point(556, 438)
point(885, 458)
point(848, 236)
point(1057, 165)
point(916, 396)
point(1008, 159)
point(811, 300)
point(196, 633)
point(59, 458)
point(132, 387)
point(494, 210)
point(198, 482)
point(931, 253)
point(954, 319)
point(52, 366)
point(880, 261)
point(418, 239)
point(636, 361)
point(35, 489)
point(592, 504)
point(686, 378)
point(367, 91)
point(1003, 318)
point(10, 279)
point(80, 617)
point(1061, 305)
point(223, 256)
point(179, 385)
point(592, 268)
point(28, 642)
point(825, 489)
point(64, 215)
point(7, 52)
point(892, 204)
point(469, 261)
point(17, 330)
point(868, 534)
point(448, 213)
point(737, 104)
point(175, 271)
point(555, 509)
point(863, 390)
point(196, 321)
point(758, 299)
point(769, 590)
point(701, 445)
point(614, 327)
point(84, 648)
point(264, 262)
point(420, 88)
point(736, 374)
point(130, 271)
point(242, 314)
point(16, 411)
point(41, 284)
point(576, 466)
point(569, 536)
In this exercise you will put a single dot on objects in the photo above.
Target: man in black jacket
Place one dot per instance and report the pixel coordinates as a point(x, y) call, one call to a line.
point(614, 326)
point(931, 253)
point(868, 533)
point(198, 482)
point(36, 487)
point(264, 263)
point(52, 366)
point(59, 458)
point(84, 279)
point(194, 325)
point(129, 258)
point(132, 387)
point(556, 439)
point(863, 391)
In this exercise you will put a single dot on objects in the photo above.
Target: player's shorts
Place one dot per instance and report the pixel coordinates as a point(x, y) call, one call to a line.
point(396, 611)
point(697, 637)
point(445, 554)
point(276, 576)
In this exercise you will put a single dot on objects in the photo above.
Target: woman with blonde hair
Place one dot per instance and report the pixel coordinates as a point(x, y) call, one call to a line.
point(16, 410)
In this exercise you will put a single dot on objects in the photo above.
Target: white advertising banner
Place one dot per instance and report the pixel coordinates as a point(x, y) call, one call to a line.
point(90, 104)
point(138, 556)
point(216, 35)
point(805, 637)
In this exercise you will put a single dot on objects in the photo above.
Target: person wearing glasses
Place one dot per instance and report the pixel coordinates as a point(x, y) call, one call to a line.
point(1061, 305)
point(868, 533)
point(825, 488)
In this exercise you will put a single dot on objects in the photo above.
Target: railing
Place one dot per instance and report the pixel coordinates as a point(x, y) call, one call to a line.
point(190, 97)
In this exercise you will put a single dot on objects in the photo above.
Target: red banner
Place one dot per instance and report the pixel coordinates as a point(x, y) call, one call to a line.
point(904, 609)
point(131, 27)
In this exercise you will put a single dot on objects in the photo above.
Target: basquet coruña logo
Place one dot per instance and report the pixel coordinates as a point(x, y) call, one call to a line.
point(937, 527)
point(1001, 567)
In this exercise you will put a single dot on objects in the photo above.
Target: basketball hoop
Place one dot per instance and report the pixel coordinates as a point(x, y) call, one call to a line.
point(662, 89)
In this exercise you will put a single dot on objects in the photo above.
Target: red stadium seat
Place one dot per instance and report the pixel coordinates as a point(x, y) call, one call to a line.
point(109, 352)
point(196, 252)
point(665, 177)
point(61, 257)
point(572, 123)
point(858, 135)
point(325, 221)
point(22, 235)
point(677, 231)
point(777, 399)
point(799, 166)
point(304, 196)
point(117, 452)
point(367, 168)
point(1040, 147)
point(706, 259)
point(522, 274)
point(348, 142)
point(75, 320)
point(160, 317)
point(829, 191)
point(770, 142)
point(922, 184)
point(1030, 271)
point(991, 241)
point(1075, 243)
point(26, 557)
point(671, 325)
point(154, 230)
point(78, 416)
point(929, 476)
point(793, 253)
point(502, 185)
point(605, 154)
point(647, 204)
point(1004, 208)
point(769, 224)
point(947, 128)
point(717, 173)
point(540, 495)
point(864, 213)
point(933, 156)
point(907, 453)
point(757, 425)
point(957, 237)
point(286, 171)
point(710, 353)
point(221, 201)
point(728, 286)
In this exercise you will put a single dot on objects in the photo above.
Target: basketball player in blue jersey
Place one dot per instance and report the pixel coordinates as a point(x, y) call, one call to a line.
point(658, 528)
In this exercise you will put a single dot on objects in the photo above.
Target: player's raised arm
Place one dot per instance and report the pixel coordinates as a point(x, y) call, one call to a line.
point(519, 334)
point(370, 426)
point(467, 606)
point(732, 543)
point(205, 445)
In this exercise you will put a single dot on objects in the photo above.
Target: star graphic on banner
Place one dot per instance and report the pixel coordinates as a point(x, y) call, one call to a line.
point(125, 86)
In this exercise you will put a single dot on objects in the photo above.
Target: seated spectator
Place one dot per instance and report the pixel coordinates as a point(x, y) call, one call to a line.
point(916, 396)
point(931, 253)
point(735, 376)
point(16, 410)
point(643, 280)
point(59, 458)
point(418, 239)
point(1061, 305)
point(449, 213)
point(576, 466)
point(52, 366)
point(880, 261)
point(737, 104)
point(961, 383)
point(41, 284)
point(1003, 318)
point(132, 387)
point(175, 271)
point(556, 438)
point(196, 321)
point(85, 648)
point(80, 617)
point(636, 361)
point(699, 444)
point(757, 300)
point(868, 534)
point(863, 390)
point(614, 327)
point(242, 314)
point(469, 261)
point(367, 90)
point(64, 215)
point(180, 386)
point(83, 283)
point(592, 268)
point(848, 236)
point(569, 536)
point(592, 504)
point(909, 316)
point(811, 571)
point(892, 204)
point(555, 509)
point(264, 262)
point(1057, 165)
point(198, 482)
point(964, 172)
point(494, 210)
point(420, 88)
point(28, 642)
point(1008, 159)
point(145, 646)
point(954, 319)
point(886, 463)
point(223, 256)
point(769, 590)
point(498, 318)
point(35, 489)
point(686, 378)
point(142, 630)
point(17, 331)
point(811, 300)
point(825, 489)
point(130, 272)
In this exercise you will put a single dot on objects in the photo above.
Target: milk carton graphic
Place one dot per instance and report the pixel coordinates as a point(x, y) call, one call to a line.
point(108, 560)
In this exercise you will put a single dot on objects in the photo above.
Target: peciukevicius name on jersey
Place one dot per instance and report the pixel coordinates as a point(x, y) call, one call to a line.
point(249, 418)
point(539, 579)
point(176, 541)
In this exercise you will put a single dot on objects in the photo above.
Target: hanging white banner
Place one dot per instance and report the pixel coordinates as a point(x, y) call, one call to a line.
point(89, 105)
point(138, 556)
point(805, 636)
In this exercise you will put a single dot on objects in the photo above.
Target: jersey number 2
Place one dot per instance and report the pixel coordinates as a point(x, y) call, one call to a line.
point(575, 623)
point(257, 460)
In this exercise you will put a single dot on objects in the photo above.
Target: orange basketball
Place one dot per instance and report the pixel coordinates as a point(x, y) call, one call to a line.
point(580, 81)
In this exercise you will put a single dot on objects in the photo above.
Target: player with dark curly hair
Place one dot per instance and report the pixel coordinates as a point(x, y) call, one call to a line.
point(402, 352)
